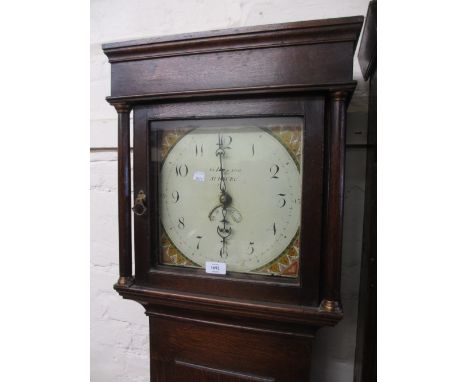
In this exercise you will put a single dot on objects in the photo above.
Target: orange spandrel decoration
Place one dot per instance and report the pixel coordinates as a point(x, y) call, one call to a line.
point(287, 264)
point(171, 255)
point(291, 138)
point(169, 139)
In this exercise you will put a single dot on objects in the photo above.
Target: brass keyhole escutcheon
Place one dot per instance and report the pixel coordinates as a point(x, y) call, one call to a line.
point(139, 207)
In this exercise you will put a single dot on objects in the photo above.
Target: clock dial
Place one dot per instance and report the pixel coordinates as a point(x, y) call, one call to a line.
point(230, 191)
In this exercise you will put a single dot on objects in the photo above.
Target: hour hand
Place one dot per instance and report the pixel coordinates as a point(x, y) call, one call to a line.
point(210, 215)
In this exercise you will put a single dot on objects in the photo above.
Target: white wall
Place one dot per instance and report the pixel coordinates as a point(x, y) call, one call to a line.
point(119, 329)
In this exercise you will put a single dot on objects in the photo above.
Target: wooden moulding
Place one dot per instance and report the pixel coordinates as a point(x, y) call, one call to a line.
point(260, 311)
point(245, 38)
point(252, 60)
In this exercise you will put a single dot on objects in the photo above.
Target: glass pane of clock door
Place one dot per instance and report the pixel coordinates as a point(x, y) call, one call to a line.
point(229, 191)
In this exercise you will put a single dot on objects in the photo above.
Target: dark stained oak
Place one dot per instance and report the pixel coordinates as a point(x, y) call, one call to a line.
point(238, 327)
point(208, 71)
point(216, 353)
point(311, 31)
point(335, 193)
point(124, 193)
point(185, 371)
point(237, 61)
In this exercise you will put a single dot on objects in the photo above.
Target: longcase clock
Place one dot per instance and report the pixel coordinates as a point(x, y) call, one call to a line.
point(238, 168)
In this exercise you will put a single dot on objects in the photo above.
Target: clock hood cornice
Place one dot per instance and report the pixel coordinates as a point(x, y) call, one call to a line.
point(264, 36)
point(247, 60)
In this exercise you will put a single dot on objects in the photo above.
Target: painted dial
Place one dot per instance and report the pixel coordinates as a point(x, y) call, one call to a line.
point(230, 195)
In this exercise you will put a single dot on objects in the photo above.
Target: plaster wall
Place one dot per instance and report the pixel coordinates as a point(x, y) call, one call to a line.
point(119, 328)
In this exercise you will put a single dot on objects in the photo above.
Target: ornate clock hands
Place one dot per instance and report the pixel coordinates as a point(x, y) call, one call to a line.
point(223, 230)
point(225, 199)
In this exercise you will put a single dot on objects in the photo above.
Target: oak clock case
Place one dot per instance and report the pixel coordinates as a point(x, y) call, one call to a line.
point(238, 159)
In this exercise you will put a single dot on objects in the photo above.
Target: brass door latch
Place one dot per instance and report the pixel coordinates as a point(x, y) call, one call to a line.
point(139, 207)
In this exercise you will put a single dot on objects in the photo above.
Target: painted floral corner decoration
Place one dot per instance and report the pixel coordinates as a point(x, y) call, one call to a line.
point(171, 255)
point(287, 264)
point(168, 139)
point(291, 138)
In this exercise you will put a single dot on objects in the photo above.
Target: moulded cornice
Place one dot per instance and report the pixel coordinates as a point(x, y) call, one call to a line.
point(265, 36)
